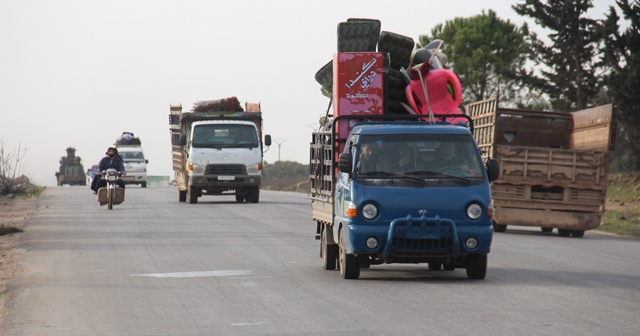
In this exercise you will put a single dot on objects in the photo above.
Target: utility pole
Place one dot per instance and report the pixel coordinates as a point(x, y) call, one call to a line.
point(279, 142)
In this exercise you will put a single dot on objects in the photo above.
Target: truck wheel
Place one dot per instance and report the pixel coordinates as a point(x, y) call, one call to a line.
point(143, 184)
point(477, 266)
point(182, 195)
point(349, 264)
point(239, 198)
point(448, 267)
point(577, 233)
point(254, 195)
point(435, 266)
point(328, 252)
point(192, 193)
point(499, 227)
point(564, 233)
point(546, 230)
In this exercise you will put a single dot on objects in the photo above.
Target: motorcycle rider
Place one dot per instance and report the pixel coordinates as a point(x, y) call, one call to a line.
point(112, 160)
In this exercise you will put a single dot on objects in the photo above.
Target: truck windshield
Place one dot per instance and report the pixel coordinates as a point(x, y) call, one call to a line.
point(418, 155)
point(225, 136)
point(131, 156)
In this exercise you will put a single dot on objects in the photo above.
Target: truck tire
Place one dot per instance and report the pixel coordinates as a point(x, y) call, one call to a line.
point(253, 196)
point(477, 266)
point(435, 266)
point(564, 233)
point(239, 198)
point(329, 252)
point(143, 184)
point(546, 229)
point(182, 195)
point(358, 35)
point(499, 227)
point(349, 264)
point(577, 233)
point(192, 194)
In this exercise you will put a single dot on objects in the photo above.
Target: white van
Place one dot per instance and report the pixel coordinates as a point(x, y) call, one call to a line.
point(135, 165)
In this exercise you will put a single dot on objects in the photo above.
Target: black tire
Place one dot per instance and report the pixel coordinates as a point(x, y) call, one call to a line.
point(349, 264)
point(143, 184)
point(192, 195)
point(577, 233)
point(182, 195)
point(477, 266)
point(435, 266)
point(358, 35)
point(253, 196)
point(448, 267)
point(546, 230)
point(111, 192)
point(564, 233)
point(399, 48)
point(329, 252)
point(324, 77)
point(499, 227)
point(239, 198)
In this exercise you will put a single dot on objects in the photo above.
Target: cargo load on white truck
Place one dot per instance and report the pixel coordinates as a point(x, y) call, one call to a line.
point(217, 149)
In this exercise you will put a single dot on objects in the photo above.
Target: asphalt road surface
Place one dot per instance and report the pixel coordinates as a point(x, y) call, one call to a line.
point(154, 266)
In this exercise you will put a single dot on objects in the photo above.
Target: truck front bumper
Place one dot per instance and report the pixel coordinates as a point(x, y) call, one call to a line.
point(419, 237)
point(224, 181)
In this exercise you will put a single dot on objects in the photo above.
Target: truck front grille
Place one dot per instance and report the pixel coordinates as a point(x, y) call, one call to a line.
point(226, 169)
point(421, 246)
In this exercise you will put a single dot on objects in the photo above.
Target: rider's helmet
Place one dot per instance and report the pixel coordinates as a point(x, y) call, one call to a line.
point(115, 150)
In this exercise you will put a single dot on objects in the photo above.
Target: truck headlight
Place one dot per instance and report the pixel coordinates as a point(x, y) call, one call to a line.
point(474, 211)
point(369, 211)
point(197, 169)
point(253, 169)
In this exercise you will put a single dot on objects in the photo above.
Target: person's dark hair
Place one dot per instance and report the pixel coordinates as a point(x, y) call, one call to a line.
point(110, 148)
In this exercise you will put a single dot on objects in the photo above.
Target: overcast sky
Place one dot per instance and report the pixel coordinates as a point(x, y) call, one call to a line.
point(79, 73)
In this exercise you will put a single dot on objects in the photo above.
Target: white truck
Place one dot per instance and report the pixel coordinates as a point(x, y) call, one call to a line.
point(130, 149)
point(217, 149)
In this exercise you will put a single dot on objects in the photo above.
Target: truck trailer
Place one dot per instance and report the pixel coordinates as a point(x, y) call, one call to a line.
point(553, 165)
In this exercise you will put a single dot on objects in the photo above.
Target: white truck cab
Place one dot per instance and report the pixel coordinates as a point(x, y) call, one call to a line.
point(135, 165)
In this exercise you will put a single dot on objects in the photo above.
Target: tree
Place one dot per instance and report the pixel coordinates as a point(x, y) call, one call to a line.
point(622, 59)
point(486, 53)
point(570, 78)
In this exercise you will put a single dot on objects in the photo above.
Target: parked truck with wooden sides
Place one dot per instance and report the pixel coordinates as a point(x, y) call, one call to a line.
point(217, 149)
point(553, 165)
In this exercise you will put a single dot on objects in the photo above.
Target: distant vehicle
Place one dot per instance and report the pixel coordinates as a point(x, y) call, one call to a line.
point(71, 171)
point(91, 173)
point(217, 149)
point(130, 149)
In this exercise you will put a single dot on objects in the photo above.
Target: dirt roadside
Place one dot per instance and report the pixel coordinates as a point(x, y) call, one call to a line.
point(13, 213)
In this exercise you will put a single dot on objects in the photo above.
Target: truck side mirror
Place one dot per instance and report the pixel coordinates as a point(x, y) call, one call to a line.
point(493, 169)
point(146, 161)
point(345, 163)
point(182, 141)
point(267, 140)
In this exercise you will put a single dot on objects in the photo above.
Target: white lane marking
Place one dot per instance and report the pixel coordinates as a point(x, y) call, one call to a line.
point(248, 324)
point(203, 274)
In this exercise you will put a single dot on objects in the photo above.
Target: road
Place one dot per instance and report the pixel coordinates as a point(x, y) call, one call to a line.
point(153, 266)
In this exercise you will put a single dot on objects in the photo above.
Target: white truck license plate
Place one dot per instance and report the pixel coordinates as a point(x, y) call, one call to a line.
point(226, 178)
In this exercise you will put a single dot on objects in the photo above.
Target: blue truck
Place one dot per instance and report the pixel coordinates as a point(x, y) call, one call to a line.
point(396, 174)
point(421, 212)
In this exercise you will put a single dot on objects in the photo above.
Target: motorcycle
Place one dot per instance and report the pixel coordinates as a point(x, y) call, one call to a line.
point(111, 194)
